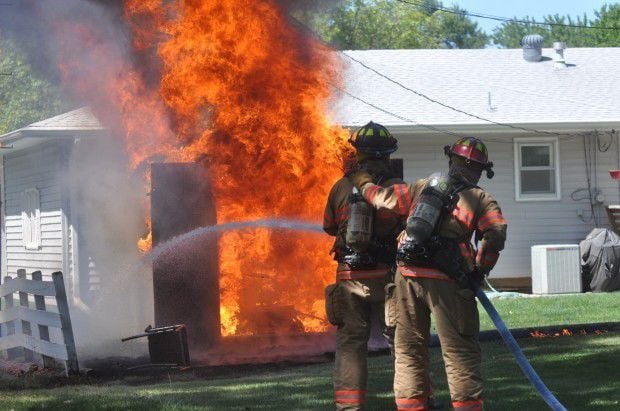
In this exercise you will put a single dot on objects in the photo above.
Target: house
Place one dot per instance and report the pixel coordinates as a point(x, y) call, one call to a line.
point(55, 198)
point(551, 133)
point(38, 232)
point(551, 130)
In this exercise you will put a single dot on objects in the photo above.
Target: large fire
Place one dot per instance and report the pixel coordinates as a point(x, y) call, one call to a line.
point(233, 85)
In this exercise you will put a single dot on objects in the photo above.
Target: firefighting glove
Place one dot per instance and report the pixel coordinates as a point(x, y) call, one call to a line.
point(360, 178)
point(478, 276)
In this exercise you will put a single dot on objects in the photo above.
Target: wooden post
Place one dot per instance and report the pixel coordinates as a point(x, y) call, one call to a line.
point(11, 325)
point(44, 331)
point(25, 325)
point(65, 320)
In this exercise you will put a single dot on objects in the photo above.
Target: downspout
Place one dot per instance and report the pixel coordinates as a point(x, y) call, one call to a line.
point(3, 257)
point(69, 229)
point(618, 152)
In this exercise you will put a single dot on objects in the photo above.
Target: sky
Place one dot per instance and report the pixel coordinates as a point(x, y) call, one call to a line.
point(521, 8)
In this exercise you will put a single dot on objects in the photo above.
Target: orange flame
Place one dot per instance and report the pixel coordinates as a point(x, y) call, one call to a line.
point(233, 85)
point(564, 333)
point(248, 94)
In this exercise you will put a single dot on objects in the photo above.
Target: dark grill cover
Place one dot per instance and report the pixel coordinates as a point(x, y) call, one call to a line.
point(600, 260)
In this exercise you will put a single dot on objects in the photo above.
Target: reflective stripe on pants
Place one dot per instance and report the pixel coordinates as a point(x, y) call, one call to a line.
point(412, 404)
point(350, 397)
point(473, 405)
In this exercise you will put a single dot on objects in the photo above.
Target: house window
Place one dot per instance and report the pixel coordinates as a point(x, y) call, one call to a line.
point(31, 218)
point(537, 169)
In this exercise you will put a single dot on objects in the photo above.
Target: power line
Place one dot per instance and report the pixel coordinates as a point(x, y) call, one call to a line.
point(497, 86)
point(398, 116)
point(566, 136)
point(503, 19)
point(432, 100)
point(427, 126)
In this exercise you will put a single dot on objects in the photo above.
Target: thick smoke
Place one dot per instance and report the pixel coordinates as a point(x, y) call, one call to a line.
point(114, 297)
point(84, 46)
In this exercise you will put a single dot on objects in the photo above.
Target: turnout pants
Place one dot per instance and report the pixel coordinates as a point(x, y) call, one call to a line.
point(456, 318)
point(349, 306)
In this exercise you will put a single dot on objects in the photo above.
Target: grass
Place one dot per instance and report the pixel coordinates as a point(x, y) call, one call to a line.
point(579, 369)
point(555, 310)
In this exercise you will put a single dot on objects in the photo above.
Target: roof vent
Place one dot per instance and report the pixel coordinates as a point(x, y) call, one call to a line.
point(558, 56)
point(532, 47)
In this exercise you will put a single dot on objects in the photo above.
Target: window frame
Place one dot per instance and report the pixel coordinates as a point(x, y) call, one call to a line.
point(31, 224)
point(552, 142)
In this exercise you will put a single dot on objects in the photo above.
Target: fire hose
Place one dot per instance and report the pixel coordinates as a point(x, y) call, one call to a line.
point(514, 348)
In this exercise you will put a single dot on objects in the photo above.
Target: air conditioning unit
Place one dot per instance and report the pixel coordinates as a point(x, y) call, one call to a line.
point(556, 269)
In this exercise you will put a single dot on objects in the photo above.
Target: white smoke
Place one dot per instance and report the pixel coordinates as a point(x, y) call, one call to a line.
point(111, 296)
point(114, 297)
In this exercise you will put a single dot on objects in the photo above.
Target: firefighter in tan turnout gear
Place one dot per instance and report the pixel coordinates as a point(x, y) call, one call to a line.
point(435, 261)
point(365, 248)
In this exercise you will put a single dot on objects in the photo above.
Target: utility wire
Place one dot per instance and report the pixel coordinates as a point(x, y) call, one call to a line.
point(503, 19)
point(408, 120)
point(435, 101)
point(398, 116)
point(501, 87)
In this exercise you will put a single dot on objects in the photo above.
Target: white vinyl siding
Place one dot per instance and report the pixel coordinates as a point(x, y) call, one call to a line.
point(34, 241)
point(529, 223)
point(537, 169)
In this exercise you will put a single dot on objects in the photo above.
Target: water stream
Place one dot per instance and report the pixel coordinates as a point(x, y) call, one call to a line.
point(273, 223)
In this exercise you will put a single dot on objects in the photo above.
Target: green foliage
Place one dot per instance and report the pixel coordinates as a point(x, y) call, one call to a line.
point(509, 34)
point(389, 24)
point(25, 97)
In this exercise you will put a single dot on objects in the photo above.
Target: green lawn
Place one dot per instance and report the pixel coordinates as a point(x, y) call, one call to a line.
point(555, 310)
point(581, 370)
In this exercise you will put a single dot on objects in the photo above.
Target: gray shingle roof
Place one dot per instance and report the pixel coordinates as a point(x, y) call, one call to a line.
point(80, 119)
point(588, 90)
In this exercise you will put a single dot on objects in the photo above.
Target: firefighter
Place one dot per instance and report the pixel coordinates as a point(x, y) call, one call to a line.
point(365, 248)
point(434, 259)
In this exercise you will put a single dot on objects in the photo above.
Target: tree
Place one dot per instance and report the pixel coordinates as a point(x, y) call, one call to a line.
point(458, 28)
point(608, 16)
point(509, 34)
point(389, 24)
point(25, 97)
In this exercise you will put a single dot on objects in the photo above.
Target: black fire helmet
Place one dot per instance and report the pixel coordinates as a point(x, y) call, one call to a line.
point(374, 139)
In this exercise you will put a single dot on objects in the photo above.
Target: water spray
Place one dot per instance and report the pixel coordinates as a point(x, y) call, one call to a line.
point(298, 225)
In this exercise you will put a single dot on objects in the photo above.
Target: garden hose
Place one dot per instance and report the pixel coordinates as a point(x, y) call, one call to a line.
point(514, 348)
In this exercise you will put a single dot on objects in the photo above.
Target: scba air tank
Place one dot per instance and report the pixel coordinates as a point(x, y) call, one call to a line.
point(359, 225)
point(436, 196)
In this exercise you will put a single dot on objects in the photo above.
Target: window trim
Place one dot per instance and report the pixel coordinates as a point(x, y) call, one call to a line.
point(537, 141)
point(31, 197)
